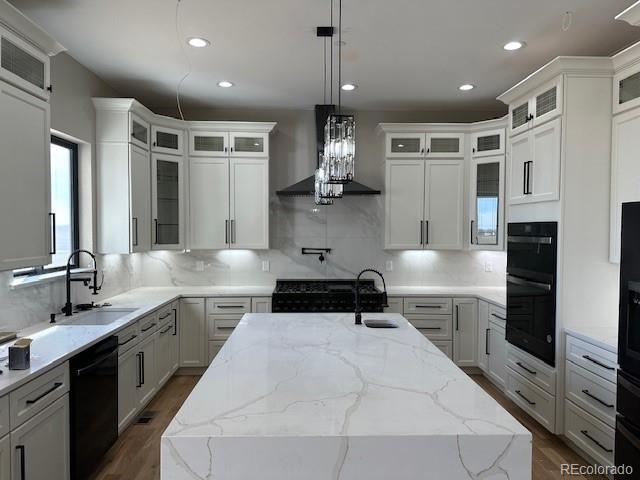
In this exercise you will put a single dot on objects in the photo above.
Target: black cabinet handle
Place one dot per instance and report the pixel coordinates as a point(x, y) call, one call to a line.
point(131, 339)
point(421, 232)
point(422, 150)
point(600, 364)
point(226, 231)
point(525, 398)
point(532, 372)
point(142, 369)
point(586, 434)
point(165, 316)
point(428, 306)
point(229, 306)
point(486, 342)
point(471, 233)
point(225, 149)
point(426, 229)
point(52, 217)
point(139, 357)
point(162, 332)
point(23, 475)
point(155, 222)
point(175, 322)
point(44, 394)
point(590, 395)
point(431, 328)
point(50, 88)
point(457, 319)
point(233, 231)
point(134, 220)
point(499, 317)
point(148, 328)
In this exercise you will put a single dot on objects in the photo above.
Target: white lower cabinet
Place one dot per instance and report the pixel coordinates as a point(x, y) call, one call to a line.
point(165, 353)
point(497, 357)
point(465, 332)
point(532, 399)
point(483, 336)
point(590, 434)
point(41, 444)
point(5, 457)
point(193, 333)
point(128, 385)
point(445, 347)
point(261, 305)
point(147, 378)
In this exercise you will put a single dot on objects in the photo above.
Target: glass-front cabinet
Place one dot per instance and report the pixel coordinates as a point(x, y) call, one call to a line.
point(249, 144)
point(208, 144)
point(167, 202)
point(138, 131)
point(486, 229)
point(405, 145)
point(487, 143)
point(166, 140)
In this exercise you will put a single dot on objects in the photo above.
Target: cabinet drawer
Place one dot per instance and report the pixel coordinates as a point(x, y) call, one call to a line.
point(595, 359)
point(594, 394)
point(589, 433)
point(222, 326)
point(148, 325)
point(214, 348)
point(434, 327)
point(497, 314)
point(128, 337)
point(445, 346)
point(532, 399)
point(165, 314)
point(437, 305)
point(4, 415)
point(31, 398)
point(532, 369)
point(228, 305)
point(396, 305)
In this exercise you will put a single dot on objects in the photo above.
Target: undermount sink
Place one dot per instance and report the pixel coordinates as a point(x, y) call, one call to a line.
point(103, 316)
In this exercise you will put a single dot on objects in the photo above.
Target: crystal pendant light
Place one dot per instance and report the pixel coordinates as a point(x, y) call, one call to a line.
point(325, 192)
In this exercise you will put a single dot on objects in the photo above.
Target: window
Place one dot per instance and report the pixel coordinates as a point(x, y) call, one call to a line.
point(487, 195)
point(64, 205)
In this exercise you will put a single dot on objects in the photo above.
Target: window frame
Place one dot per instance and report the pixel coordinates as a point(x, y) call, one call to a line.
point(75, 214)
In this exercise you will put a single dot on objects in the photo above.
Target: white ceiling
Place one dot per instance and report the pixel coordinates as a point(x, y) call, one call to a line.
point(403, 54)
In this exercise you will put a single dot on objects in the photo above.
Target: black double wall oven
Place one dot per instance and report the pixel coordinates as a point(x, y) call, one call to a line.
point(531, 288)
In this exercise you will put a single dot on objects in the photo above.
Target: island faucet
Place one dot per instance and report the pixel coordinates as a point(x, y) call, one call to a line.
point(68, 307)
point(358, 309)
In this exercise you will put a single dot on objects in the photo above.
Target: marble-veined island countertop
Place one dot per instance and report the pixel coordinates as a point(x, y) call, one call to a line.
point(315, 397)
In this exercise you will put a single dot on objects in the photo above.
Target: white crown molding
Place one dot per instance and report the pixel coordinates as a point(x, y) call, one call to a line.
point(14, 20)
point(441, 127)
point(631, 15)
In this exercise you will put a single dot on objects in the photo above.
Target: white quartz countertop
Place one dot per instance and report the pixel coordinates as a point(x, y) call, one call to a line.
point(289, 382)
point(603, 336)
point(495, 295)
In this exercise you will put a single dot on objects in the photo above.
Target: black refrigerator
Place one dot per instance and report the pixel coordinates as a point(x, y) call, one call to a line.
point(627, 450)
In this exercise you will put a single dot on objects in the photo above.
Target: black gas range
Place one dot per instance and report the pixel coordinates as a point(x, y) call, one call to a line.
point(325, 296)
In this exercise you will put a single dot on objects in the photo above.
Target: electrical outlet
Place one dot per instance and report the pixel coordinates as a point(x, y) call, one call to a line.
point(265, 265)
point(389, 266)
point(199, 266)
point(488, 267)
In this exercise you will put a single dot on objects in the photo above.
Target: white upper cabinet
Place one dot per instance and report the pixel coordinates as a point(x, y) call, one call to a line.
point(167, 202)
point(208, 144)
point(405, 145)
point(138, 131)
point(404, 204)
point(535, 164)
point(249, 205)
point(487, 143)
point(24, 180)
point(140, 191)
point(23, 65)
point(626, 89)
point(249, 144)
point(486, 209)
point(445, 145)
point(208, 203)
point(166, 140)
point(443, 204)
point(543, 105)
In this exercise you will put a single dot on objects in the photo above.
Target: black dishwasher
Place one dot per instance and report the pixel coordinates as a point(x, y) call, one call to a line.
point(94, 406)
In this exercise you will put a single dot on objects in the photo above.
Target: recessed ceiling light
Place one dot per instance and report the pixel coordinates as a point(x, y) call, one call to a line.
point(225, 84)
point(515, 45)
point(466, 87)
point(348, 87)
point(198, 42)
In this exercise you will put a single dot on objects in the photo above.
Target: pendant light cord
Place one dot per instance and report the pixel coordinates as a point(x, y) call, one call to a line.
point(339, 56)
point(331, 57)
point(186, 56)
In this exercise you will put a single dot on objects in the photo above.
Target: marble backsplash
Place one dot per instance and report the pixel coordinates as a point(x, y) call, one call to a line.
point(352, 228)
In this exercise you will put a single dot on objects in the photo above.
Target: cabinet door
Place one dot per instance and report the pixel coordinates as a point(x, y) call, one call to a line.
point(404, 204)
point(138, 131)
point(486, 212)
point(405, 145)
point(261, 305)
point(23, 65)
point(24, 180)
point(128, 385)
point(166, 140)
point(544, 174)
point(164, 349)
point(518, 164)
point(148, 379)
point(626, 89)
point(625, 172)
point(547, 102)
point(488, 143)
point(208, 144)
point(175, 340)
point(5, 457)
point(520, 116)
point(249, 203)
point(445, 145)
point(249, 144)
point(167, 202)
point(483, 335)
point(193, 333)
point(208, 203)
point(465, 332)
point(497, 354)
point(140, 191)
point(443, 206)
point(41, 444)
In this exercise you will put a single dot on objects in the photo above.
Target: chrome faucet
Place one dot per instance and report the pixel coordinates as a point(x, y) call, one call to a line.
point(358, 310)
point(68, 307)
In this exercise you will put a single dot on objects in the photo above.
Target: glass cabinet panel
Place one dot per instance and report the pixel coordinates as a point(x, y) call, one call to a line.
point(520, 115)
point(405, 145)
point(487, 203)
point(249, 144)
point(629, 88)
point(167, 221)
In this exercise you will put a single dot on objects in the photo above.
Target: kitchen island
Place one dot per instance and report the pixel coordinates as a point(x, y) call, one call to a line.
point(315, 397)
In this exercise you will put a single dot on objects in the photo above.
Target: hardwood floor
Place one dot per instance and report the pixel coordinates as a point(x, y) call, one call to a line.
point(136, 454)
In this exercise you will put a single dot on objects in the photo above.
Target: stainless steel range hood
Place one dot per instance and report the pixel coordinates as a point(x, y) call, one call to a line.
point(306, 187)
